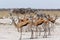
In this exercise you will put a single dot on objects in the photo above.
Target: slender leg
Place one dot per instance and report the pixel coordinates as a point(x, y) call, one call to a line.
point(31, 34)
point(21, 34)
point(18, 29)
point(49, 33)
point(39, 32)
point(45, 33)
point(52, 27)
point(36, 32)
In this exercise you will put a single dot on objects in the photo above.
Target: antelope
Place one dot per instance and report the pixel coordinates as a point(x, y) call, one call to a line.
point(20, 24)
point(52, 20)
point(45, 22)
point(39, 22)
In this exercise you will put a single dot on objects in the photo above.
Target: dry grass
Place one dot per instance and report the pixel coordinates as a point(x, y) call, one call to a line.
point(6, 13)
point(52, 12)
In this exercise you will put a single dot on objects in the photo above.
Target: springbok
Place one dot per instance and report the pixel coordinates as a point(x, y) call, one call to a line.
point(38, 22)
point(42, 21)
point(20, 24)
point(52, 20)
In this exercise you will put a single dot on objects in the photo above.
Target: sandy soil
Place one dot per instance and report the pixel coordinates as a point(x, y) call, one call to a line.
point(9, 32)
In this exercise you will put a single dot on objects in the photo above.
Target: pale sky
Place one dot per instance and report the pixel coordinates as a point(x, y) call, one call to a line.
point(49, 4)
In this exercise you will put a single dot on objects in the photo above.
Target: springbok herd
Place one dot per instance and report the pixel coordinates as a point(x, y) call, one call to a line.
point(34, 21)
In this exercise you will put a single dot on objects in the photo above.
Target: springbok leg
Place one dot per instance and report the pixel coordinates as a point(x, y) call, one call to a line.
point(45, 33)
point(31, 34)
point(18, 29)
point(39, 31)
point(52, 26)
point(21, 34)
point(36, 32)
point(49, 31)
